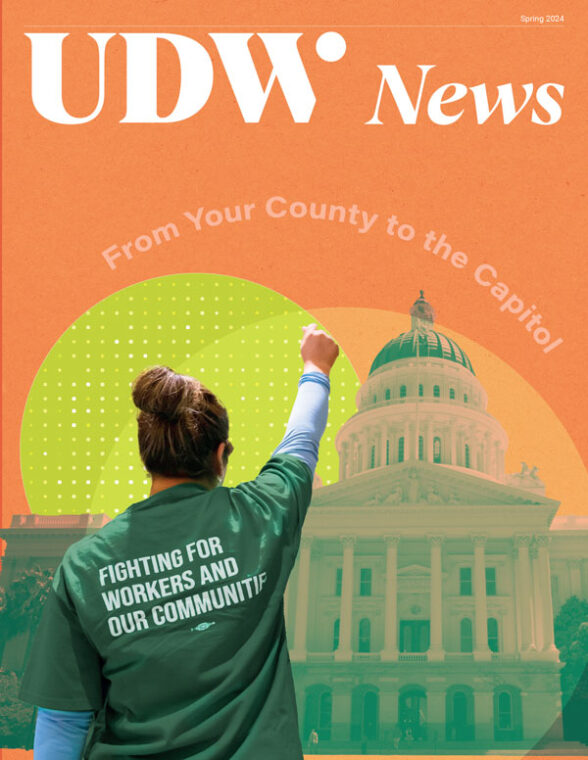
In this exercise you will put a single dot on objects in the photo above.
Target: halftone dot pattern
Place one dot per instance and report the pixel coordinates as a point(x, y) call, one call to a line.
point(78, 440)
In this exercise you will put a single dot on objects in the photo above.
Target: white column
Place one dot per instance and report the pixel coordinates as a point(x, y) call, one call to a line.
point(452, 445)
point(343, 460)
point(383, 441)
point(486, 453)
point(365, 454)
point(390, 651)
point(436, 648)
point(525, 602)
point(407, 446)
point(481, 650)
point(496, 459)
point(301, 622)
point(537, 598)
point(429, 444)
point(549, 648)
point(343, 651)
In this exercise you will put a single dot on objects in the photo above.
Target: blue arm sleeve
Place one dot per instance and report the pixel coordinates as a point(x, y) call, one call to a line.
point(61, 733)
point(308, 419)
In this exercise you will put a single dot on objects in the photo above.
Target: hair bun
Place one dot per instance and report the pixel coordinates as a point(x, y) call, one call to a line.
point(163, 392)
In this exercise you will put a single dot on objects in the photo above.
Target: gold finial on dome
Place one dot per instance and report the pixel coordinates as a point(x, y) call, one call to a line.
point(422, 313)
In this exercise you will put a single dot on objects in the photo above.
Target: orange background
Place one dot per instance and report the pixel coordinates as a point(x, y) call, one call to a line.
point(509, 195)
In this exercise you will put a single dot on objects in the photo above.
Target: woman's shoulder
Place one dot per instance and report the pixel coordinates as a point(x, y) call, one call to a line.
point(82, 551)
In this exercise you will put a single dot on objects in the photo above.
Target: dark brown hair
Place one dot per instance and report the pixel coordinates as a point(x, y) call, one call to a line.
point(181, 424)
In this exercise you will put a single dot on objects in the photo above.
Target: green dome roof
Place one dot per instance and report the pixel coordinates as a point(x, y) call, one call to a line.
point(430, 343)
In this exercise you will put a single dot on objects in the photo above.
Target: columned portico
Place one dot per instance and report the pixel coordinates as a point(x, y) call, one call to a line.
point(390, 651)
point(299, 650)
point(481, 650)
point(343, 651)
point(436, 649)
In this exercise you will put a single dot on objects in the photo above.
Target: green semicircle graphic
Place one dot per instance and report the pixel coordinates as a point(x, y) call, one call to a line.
point(78, 438)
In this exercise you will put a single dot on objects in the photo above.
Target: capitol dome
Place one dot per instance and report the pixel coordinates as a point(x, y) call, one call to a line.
point(421, 342)
point(422, 402)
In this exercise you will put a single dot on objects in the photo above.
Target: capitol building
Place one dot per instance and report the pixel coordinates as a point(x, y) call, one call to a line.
point(421, 606)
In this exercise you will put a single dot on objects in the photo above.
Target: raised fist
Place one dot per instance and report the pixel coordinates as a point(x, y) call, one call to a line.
point(318, 350)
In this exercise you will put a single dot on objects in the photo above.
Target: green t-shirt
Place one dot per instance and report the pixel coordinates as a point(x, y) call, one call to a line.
point(169, 622)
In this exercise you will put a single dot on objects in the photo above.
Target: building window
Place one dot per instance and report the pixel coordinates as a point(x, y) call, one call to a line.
point(465, 581)
point(490, 581)
point(336, 628)
point(387, 394)
point(364, 635)
point(466, 638)
point(403, 391)
point(467, 455)
point(373, 457)
point(504, 717)
point(338, 581)
point(436, 391)
point(375, 398)
point(452, 393)
point(401, 449)
point(365, 581)
point(387, 452)
point(437, 450)
point(325, 716)
point(493, 634)
point(420, 389)
point(465, 398)
point(421, 447)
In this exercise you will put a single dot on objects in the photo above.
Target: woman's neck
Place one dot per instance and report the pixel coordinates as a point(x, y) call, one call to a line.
point(161, 482)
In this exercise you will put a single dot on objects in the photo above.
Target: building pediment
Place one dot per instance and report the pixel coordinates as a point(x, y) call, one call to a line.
point(424, 483)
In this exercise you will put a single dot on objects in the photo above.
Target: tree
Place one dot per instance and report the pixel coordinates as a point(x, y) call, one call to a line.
point(571, 638)
point(21, 605)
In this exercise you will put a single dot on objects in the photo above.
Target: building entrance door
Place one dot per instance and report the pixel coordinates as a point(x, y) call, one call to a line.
point(412, 714)
point(414, 635)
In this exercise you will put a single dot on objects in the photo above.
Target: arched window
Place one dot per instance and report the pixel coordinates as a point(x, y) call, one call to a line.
point(459, 711)
point(375, 398)
point(370, 715)
point(373, 457)
point(401, 449)
point(508, 714)
point(465, 398)
point(364, 635)
point(437, 449)
point(403, 391)
point(466, 640)
point(387, 452)
point(387, 394)
point(325, 716)
point(452, 395)
point(436, 391)
point(318, 711)
point(467, 455)
point(336, 628)
point(504, 717)
point(421, 447)
point(364, 713)
point(421, 391)
point(493, 634)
